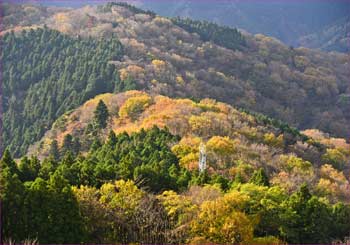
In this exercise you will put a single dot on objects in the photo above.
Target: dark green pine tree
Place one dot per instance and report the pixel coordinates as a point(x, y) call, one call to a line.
point(96, 144)
point(101, 115)
point(54, 151)
point(8, 162)
point(76, 146)
point(306, 219)
point(112, 138)
point(53, 211)
point(29, 168)
point(25, 170)
point(67, 144)
point(260, 178)
point(341, 217)
point(12, 192)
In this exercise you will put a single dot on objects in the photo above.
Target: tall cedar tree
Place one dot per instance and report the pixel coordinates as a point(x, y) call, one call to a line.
point(54, 151)
point(67, 144)
point(101, 115)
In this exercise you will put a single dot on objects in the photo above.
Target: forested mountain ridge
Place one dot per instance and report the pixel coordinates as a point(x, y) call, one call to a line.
point(303, 87)
point(286, 21)
point(264, 182)
point(306, 88)
point(232, 137)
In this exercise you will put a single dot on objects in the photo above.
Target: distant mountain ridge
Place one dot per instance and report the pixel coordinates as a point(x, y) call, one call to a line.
point(288, 21)
point(334, 37)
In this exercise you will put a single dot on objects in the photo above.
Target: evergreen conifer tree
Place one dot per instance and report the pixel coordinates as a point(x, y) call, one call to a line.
point(54, 152)
point(101, 115)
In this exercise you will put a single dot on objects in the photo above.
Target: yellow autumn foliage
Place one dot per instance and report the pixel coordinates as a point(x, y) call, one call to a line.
point(158, 64)
point(327, 171)
point(222, 220)
point(271, 140)
point(121, 194)
point(222, 145)
point(335, 157)
point(333, 183)
point(178, 207)
point(180, 80)
point(134, 106)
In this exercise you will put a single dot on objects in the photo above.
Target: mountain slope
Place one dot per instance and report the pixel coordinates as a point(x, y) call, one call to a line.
point(308, 89)
point(123, 168)
point(46, 74)
point(231, 137)
point(303, 87)
point(255, 167)
point(334, 37)
point(286, 21)
point(21, 15)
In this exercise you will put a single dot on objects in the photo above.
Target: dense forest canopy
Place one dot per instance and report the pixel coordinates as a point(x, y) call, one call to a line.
point(46, 74)
point(123, 191)
point(224, 36)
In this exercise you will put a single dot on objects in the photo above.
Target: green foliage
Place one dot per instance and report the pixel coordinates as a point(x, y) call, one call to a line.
point(125, 85)
point(54, 151)
point(108, 7)
point(45, 74)
point(341, 217)
point(144, 157)
point(52, 212)
point(224, 36)
point(200, 178)
point(29, 168)
point(53, 199)
point(298, 218)
point(11, 195)
point(67, 144)
point(39, 203)
point(260, 178)
point(101, 115)
point(306, 219)
point(112, 138)
point(334, 157)
point(46, 210)
point(221, 181)
point(8, 162)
